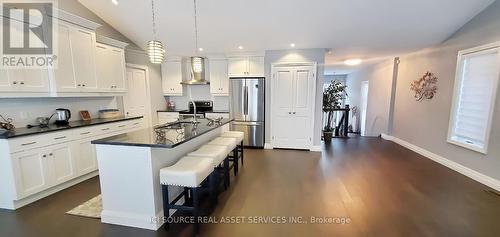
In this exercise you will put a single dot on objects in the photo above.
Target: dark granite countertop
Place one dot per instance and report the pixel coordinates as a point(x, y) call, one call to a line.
point(19, 132)
point(173, 110)
point(163, 137)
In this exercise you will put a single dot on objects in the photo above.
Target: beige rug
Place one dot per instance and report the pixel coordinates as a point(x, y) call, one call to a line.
point(91, 208)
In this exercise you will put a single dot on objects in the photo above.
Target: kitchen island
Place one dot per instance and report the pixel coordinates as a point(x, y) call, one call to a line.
point(129, 166)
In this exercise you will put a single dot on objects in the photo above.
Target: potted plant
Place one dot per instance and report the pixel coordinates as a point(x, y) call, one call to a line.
point(332, 99)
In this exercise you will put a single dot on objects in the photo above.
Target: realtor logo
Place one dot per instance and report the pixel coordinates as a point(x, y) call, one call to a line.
point(27, 34)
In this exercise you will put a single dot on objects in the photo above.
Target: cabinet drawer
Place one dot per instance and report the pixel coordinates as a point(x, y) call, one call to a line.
point(87, 132)
point(36, 141)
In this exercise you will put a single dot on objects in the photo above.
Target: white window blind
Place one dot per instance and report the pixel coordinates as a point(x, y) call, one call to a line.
point(474, 97)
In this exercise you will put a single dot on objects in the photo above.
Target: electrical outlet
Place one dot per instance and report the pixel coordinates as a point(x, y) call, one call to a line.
point(23, 115)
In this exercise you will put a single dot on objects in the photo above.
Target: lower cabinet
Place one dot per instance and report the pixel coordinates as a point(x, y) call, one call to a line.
point(85, 156)
point(31, 172)
point(40, 169)
point(41, 166)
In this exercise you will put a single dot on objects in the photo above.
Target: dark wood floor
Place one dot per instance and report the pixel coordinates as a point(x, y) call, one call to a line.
point(383, 188)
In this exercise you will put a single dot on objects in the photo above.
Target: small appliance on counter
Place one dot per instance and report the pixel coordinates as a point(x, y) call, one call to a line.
point(170, 106)
point(62, 116)
point(6, 124)
point(109, 113)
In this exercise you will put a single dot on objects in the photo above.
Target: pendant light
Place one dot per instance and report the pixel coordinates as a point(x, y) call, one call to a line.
point(154, 47)
point(197, 62)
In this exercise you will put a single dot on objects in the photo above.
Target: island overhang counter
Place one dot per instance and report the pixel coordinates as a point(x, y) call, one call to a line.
point(129, 166)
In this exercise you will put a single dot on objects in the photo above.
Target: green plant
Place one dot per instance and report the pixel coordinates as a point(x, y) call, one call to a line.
point(332, 98)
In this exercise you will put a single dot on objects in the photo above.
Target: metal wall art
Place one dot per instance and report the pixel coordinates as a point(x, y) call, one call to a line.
point(425, 87)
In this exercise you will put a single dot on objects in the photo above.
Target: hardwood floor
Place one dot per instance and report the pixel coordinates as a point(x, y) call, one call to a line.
point(384, 190)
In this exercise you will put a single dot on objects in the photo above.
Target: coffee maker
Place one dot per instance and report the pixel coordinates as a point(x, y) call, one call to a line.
point(62, 116)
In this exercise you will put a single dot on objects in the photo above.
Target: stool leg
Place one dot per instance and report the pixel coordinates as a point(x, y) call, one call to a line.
point(235, 161)
point(166, 205)
point(196, 210)
point(213, 187)
point(227, 180)
point(241, 147)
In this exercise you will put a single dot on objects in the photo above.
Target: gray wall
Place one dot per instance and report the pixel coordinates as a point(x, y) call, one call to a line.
point(425, 124)
point(76, 8)
point(305, 55)
point(379, 77)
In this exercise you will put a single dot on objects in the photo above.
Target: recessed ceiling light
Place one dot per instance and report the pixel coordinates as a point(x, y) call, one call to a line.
point(240, 47)
point(353, 62)
point(114, 2)
point(200, 49)
point(292, 45)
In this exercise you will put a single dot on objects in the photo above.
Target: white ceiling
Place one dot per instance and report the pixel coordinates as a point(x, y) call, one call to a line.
point(351, 28)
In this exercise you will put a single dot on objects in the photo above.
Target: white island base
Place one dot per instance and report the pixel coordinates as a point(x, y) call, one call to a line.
point(130, 180)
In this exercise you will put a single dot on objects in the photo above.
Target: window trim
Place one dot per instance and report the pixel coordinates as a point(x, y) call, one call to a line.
point(456, 96)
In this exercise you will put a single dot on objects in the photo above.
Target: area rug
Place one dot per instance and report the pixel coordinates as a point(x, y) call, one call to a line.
point(91, 208)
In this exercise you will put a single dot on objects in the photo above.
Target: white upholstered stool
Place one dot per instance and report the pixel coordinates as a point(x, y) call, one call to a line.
point(219, 155)
point(239, 136)
point(189, 172)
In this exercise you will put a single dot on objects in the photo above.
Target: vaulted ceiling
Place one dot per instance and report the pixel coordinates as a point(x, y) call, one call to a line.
point(351, 28)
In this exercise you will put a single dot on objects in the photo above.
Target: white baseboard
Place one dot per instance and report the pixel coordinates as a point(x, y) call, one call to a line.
point(132, 220)
point(315, 148)
point(481, 178)
point(15, 204)
point(268, 146)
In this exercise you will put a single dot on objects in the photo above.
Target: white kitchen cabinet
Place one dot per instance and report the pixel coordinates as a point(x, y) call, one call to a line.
point(83, 43)
point(5, 81)
point(24, 80)
point(110, 68)
point(219, 79)
point(252, 66)
point(33, 164)
point(86, 160)
point(31, 172)
point(167, 117)
point(216, 115)
point(171, 75)
point(60, 162)
point(64, 74)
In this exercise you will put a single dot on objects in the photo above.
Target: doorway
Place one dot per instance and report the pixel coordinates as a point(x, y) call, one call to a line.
point(137, 101)
point(293, 94)
point(363, 106)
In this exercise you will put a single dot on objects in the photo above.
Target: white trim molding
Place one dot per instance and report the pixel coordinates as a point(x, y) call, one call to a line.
point(268, 146)
point(315, 148)
point(481, 178)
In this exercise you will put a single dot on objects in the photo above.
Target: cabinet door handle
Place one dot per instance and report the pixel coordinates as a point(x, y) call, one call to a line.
point(57, 138)
point(14, 82)
point(22, 83)
point(83, 85)
point(289, 112)
point(27, 144)
point(51, 154)
point(84, 133)
point(79, 85)
point(121, 126)
point(293, 112)
point(105, 129)
point(44, 156)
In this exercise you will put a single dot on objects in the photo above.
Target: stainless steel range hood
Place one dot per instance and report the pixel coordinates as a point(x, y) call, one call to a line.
point(197, 66)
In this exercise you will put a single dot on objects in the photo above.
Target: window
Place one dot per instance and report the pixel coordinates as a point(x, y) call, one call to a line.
point(474, 97)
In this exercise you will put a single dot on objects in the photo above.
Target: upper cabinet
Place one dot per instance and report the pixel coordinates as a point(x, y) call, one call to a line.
point(219, 79)
point(171, 76)
point(87, 64)
point(110, 68)
point(252, 66)
point(23, 80)
point(76, 70)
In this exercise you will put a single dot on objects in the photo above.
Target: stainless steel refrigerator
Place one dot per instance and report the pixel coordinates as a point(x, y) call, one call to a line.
point(247, 99)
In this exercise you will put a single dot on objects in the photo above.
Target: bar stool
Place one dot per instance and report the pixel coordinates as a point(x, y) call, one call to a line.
point(218, 155)
point(190, 173)
point(230, 143)
point(239, 136)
